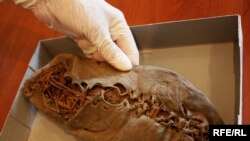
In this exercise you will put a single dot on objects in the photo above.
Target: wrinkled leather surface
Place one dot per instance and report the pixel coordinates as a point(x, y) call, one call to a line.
point(147, 103)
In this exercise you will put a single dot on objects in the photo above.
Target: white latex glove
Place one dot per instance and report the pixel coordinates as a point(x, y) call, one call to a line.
point(100, 30)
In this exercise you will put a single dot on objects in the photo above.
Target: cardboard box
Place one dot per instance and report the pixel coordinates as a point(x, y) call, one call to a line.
point(207, 52)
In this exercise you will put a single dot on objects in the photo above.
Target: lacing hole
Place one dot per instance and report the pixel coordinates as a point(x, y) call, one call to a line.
point(84, 85)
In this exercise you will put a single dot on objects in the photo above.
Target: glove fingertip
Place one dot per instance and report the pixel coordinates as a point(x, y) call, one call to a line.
point(122, 63)
point(135, 59)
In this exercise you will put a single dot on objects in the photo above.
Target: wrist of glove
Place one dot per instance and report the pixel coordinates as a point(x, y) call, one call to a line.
point(99, 29)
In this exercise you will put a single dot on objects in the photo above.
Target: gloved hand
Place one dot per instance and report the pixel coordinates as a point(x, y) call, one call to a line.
point(99, 29)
